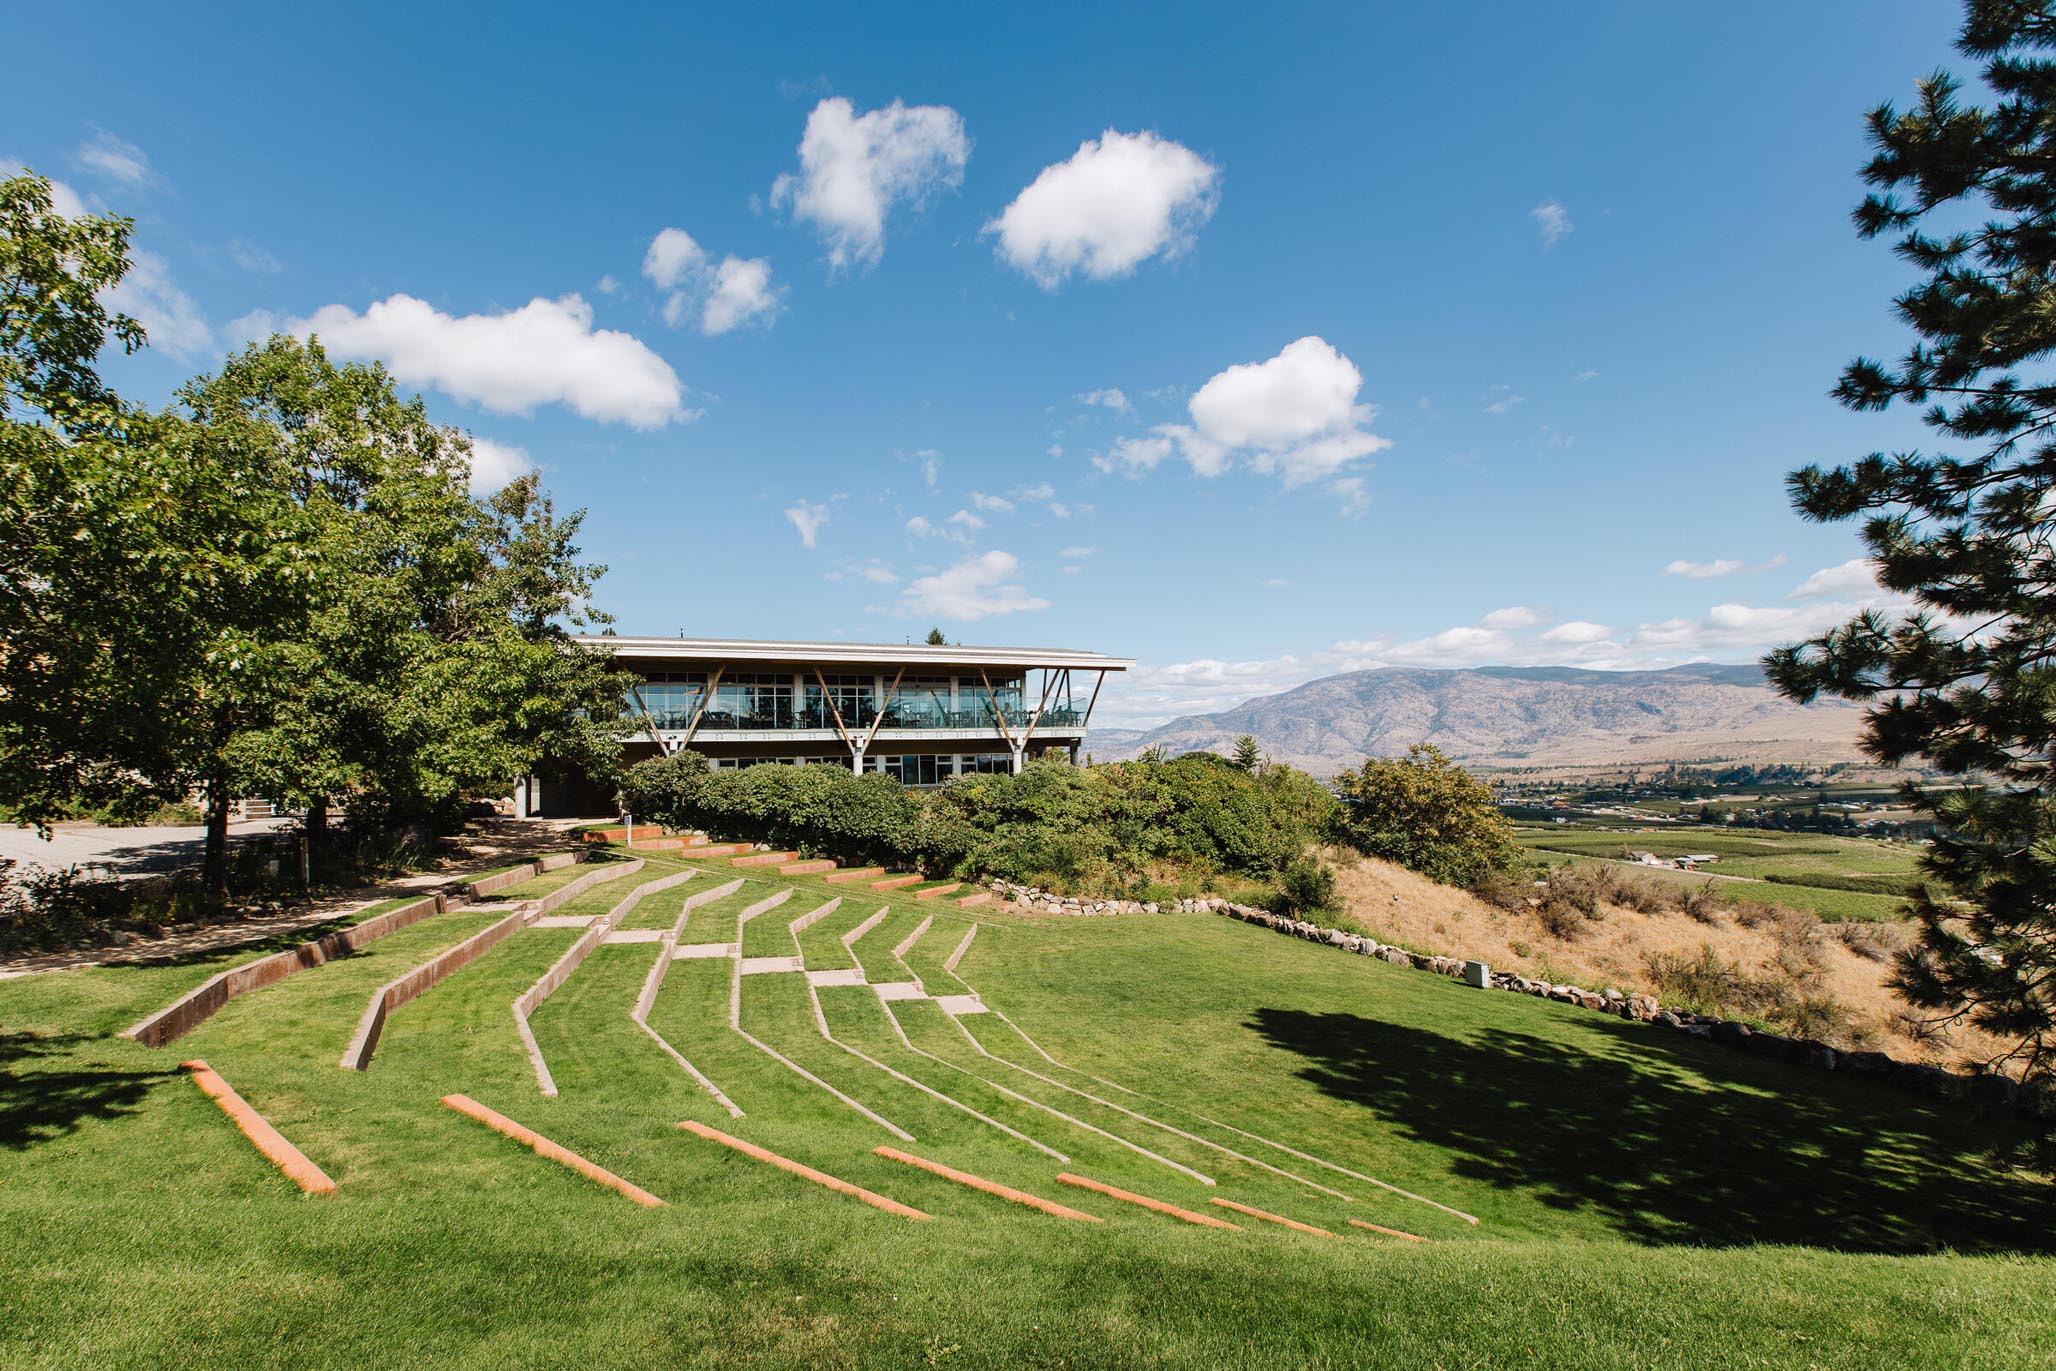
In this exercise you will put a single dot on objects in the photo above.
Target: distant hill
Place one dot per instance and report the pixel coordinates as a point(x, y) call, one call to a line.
point(1517, 717)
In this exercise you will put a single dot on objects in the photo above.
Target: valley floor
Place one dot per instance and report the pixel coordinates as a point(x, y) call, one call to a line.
point(1644, 1200)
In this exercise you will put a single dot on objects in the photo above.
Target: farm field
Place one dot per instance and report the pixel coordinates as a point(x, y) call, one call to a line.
point(1797, 870)
point(1643, 1198)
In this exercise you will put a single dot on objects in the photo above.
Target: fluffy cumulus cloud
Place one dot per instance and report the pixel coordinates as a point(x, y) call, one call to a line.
point(1295, 416)
point(979, 587)
point(716, 296)
point(808, 518)
point(494, 465)
point(545, 353)
point(1552, 221)
point(1121, 199)
point(855, 167)
point(741, 294)
point(1109, 397)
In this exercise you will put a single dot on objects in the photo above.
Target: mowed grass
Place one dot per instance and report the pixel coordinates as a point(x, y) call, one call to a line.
point(1646, 1199)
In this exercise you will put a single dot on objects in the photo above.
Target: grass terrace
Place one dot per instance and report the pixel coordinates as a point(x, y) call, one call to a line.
point(1643, 1199)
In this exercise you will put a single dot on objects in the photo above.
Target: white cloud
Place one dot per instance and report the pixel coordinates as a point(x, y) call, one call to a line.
point(1587, 375)
point(808, 518)
point(741, 294)
point(607, 285)
point(1295, 416)
point(1121, 199)
point(998, 504)
point(854, 168)
point(1578, 632)
point(672, 259)
point(1504, 401)
point(1109, 397)
point(1704, 571)
point(1351, 499)
point(494, 465)
point(546, 352)
point(965, 519)
point(1276, 582)
point(253, 259)
point(1041, 490)
point(1552, 221)
point(1515, 616)
point(727, 295)
point(167, 314)
point(1857, 576)
point(115, 159)
point(1077, 552)
point(876, 572)
point(976, 588)
point(919, 527)
point(931, 465)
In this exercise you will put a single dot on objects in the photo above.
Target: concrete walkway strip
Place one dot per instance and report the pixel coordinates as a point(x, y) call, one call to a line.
point(956, 1005)
point(563, 921)
point(876, 1201)
point(899, 990)
point(936, 892)
point(759, 966)
point(1005, 1192)
point(635, 935)
point(691, 951)
point(1269, 1217)
point(1388, 1232)
point(1101, 1187)
point(847, 975)
point(543, 1147)
point(258, 1130)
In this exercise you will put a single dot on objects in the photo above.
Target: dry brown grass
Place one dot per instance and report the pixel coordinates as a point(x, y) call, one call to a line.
point(1823, 980)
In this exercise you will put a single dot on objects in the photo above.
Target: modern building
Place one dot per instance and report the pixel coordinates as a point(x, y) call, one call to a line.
point(920, 714)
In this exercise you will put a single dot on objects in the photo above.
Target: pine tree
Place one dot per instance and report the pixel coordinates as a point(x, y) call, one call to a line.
point(935, 638)
point(1246, 755)
point(1965, 676)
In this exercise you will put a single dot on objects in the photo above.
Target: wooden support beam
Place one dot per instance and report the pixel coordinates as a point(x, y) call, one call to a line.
point(706, 698)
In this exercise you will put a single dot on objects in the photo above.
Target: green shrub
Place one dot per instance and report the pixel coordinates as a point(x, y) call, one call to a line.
point(1307, 887)
point(1425, 812)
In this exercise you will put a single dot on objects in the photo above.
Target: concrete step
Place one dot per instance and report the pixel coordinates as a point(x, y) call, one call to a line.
point(936, 892)
point(765, 859)
point(813, 868)
point(895, 882)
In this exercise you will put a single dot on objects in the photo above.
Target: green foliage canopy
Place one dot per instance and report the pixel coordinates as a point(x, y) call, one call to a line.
point(1966, 678)
point(1426, 812)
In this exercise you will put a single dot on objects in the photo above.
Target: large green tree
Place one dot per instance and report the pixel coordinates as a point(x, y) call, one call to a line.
point(95, 584)
point(1426, 812)
point(280, 586)
point(1965, 676)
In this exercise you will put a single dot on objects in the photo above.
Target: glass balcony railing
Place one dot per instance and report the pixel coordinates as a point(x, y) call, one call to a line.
point(896, 716)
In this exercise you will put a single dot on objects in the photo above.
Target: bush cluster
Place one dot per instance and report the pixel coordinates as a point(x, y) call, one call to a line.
point(1089, 829)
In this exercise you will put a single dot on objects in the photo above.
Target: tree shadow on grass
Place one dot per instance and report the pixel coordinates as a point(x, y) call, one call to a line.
point(39, 1103)
point(1678, 1141)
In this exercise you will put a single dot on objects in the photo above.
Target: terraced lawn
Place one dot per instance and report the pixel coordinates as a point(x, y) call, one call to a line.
point(1644, 1199)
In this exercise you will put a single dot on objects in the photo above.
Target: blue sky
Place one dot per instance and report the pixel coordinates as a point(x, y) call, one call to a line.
point(1254, 342)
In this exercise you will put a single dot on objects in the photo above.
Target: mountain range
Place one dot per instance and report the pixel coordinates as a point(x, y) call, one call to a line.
point(1517, 717)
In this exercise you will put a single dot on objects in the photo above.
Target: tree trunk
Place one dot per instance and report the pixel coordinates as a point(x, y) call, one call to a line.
point(317, 823)
point(214, 871)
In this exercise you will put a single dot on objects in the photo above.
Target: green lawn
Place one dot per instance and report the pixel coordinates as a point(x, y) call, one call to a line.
point(1753, 857)
point(1647, 1200)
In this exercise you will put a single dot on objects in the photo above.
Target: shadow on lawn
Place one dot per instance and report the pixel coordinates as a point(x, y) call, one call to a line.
point(38, 1105)
point(1674, 1142)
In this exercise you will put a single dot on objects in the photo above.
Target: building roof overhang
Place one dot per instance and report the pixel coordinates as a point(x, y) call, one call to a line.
point(915, 655)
